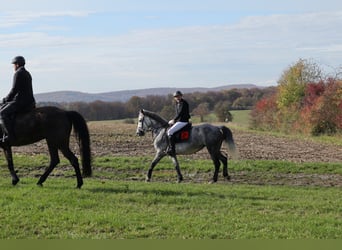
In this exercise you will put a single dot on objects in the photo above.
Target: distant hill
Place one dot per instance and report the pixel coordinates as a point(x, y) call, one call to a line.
point(125, 95)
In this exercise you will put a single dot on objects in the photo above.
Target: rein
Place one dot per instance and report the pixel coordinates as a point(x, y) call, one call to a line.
point(152, 125)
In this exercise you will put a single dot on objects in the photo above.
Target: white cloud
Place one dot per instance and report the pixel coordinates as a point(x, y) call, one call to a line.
point(254, 50)
point(15, 18)
point(178, 5)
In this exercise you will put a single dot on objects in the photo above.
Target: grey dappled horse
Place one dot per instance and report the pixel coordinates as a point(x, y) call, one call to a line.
point(204, 135)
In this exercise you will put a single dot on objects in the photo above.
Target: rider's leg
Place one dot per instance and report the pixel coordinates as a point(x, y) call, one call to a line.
point(171, 150)
point(6, 121)
point(4, 131)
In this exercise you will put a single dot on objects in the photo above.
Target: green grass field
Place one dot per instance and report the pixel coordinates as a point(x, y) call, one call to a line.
point(116, 203)
point(131, 210)
point(240, 118)
point(113, 206)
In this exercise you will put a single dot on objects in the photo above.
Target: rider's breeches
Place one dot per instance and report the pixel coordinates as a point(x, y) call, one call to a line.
point(176, 127)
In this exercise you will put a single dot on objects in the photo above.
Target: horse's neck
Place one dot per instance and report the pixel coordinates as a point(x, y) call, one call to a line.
point(156, 121)
point(156, 127)
point(159, 133)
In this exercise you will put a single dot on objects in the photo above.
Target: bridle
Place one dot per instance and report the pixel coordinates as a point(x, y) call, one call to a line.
point(141, 123)
point(147, 125)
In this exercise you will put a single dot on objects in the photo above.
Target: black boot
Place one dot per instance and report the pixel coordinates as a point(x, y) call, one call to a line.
point(4, 136)
point(7, 130)
point(171, 149)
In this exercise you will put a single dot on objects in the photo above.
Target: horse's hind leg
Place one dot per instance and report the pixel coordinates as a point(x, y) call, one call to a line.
point(9, 158)
point(215, 157)
point(54, 160)
point(224, 161)
point(74, 162)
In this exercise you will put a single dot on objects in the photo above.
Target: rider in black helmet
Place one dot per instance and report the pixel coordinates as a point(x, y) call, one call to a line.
point(20, 98)
point(180, 120)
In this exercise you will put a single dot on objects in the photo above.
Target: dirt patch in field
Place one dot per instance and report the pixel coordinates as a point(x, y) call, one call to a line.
point(116, 139)
point(121, 140)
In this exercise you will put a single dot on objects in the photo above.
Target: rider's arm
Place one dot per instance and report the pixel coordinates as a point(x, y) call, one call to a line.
point(17, 79)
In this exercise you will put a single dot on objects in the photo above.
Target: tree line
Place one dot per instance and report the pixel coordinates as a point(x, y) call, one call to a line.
point(220, 102)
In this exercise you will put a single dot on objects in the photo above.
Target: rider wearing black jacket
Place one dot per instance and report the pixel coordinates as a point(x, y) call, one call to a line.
point(178, 122)
point(182, 111)
point(20, 98)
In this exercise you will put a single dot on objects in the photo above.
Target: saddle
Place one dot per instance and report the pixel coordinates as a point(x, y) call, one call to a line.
point(183, 134)
point(19, 113)
point(7, 124)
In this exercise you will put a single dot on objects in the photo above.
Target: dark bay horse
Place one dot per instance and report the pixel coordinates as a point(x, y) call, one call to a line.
point(201, 136)
point(54, 125)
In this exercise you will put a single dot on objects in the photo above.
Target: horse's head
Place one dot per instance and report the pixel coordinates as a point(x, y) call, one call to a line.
point(141, 121)
point(149, 121)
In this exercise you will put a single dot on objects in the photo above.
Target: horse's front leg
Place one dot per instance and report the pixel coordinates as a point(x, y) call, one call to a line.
point(159, 155)
point(9, 158)
point(176, 164)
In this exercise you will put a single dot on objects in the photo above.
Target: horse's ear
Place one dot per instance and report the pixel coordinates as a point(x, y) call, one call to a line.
point(142, 111)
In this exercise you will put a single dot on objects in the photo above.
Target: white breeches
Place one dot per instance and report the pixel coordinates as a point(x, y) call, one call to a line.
point(176, 127)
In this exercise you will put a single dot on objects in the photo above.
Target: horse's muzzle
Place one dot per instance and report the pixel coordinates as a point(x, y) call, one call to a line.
point(140, 133)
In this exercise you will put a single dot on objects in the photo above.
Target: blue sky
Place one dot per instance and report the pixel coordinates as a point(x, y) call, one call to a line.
point(100, 46)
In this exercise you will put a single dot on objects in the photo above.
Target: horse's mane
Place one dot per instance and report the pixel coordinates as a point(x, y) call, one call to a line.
point(156, 117)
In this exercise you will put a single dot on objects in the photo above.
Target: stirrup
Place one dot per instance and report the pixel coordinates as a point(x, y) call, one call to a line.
point(4, 138)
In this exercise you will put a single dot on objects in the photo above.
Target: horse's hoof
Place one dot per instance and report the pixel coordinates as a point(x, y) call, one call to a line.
point(180, 180)
point(79, 184)
point(226, 177)
point(40, 184)
point(14, 182)
point(147, 180)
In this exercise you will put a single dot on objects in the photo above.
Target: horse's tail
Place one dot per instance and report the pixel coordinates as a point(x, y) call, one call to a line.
point(228, 138)
point(83, 138)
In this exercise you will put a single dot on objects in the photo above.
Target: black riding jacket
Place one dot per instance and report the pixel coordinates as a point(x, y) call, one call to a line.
point(21, 92)
point(182, 111)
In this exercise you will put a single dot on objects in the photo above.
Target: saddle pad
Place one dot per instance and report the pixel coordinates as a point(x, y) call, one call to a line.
point(183, 134)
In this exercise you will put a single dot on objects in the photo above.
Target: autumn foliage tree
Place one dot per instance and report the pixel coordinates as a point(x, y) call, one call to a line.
point(293, 82)
point(305, 101)
point(264, 114)
point(324, 113)
point(201, 110)
point(222, 111)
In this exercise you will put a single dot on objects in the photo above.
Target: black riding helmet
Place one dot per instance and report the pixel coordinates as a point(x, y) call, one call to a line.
point(177, 93)
point(19, 60)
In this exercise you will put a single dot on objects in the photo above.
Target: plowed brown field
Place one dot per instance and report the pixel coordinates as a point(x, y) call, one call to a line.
point(117, 139)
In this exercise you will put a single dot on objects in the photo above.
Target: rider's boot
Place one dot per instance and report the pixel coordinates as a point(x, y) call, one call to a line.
point(7, 130)
point(171, 149)
point(4, 137)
